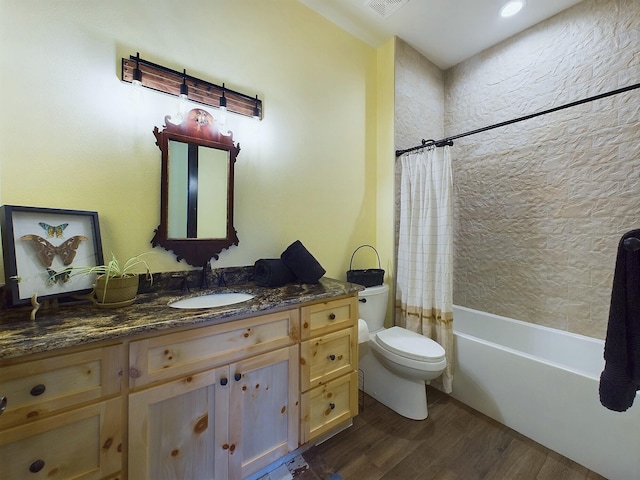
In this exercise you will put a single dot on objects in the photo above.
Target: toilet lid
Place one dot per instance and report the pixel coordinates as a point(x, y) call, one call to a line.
point(410, 344)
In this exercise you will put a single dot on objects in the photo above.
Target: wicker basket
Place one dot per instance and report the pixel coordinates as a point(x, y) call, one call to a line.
point(368, 277)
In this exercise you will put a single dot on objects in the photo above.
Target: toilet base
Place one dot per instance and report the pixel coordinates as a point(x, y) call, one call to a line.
point(405, 396)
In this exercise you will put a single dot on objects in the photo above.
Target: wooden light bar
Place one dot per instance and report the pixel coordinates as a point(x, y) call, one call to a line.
point(163, 79)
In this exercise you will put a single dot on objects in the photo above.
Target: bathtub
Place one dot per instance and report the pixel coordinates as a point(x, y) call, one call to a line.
point(543, 383)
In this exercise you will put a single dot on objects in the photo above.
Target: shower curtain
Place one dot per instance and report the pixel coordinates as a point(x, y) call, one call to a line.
point(424, 289)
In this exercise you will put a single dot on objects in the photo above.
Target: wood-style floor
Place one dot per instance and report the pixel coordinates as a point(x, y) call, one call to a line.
point(455, 442)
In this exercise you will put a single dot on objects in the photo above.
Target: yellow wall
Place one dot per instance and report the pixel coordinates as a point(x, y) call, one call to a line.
point(385, 239)
point(73, 136)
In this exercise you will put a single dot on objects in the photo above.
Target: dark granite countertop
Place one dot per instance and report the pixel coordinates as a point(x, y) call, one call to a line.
point(71, 325)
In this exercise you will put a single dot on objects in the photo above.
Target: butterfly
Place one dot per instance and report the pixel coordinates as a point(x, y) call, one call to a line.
point(51, 231)
point(54, 276)
point(47, 252)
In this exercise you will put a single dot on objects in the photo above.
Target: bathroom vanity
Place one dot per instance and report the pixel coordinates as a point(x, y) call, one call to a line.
point(152, 392)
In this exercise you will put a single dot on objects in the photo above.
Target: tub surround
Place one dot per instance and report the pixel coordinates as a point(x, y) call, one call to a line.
point(79, 324)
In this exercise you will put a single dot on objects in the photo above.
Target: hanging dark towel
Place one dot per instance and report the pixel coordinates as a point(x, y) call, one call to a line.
point(272, 272)
point(302, 263)
point(620, 378)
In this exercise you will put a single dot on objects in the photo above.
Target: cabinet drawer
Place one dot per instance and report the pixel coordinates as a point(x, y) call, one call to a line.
point(36, 388)
point(167, 356)
point(327, 357)
point(85, 443)
point(326, 407)
point(329, 316)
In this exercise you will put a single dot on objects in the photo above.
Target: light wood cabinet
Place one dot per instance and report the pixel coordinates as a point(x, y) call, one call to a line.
point(326, 407)
point(328, 366)
point(225, 422)
point(164, 357)
point(264, 410)
point(326, 317)
point(220, 401)
point(180, 429)
point(57, 423)
point(36, 388)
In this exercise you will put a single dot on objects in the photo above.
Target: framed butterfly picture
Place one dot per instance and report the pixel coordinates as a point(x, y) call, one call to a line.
point(40, 245)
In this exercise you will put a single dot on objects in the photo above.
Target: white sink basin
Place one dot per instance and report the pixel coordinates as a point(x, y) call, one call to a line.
point(212, 300)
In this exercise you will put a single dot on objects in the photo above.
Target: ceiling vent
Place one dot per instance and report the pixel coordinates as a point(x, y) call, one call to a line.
point(385, 8)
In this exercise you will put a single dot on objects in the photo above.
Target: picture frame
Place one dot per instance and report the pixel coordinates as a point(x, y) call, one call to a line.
point(41, 244)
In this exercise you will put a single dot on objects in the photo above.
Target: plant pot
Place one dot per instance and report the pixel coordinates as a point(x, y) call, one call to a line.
point(116, 292)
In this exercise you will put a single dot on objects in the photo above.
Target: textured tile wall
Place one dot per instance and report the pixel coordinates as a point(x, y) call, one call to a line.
point(419, 106)
point(540, 205)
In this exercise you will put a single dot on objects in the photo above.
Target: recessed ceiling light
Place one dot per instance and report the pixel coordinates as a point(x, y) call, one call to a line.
point(511, 8)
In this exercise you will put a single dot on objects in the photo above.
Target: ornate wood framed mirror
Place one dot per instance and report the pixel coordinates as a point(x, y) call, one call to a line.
point(196, 196)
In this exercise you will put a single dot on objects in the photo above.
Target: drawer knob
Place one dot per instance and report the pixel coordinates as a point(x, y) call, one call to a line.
point(362, 300)
point(36, 466)
point(332, 357)
point(223, 381)
point(237, 376)
point(38, 390)
point(332, 316)
point(3, 404)
point(332, 406)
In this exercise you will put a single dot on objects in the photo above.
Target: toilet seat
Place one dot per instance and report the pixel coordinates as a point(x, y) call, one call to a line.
point(410, 345)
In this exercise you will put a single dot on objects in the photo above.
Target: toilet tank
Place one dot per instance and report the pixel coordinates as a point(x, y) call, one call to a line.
point(373, 306)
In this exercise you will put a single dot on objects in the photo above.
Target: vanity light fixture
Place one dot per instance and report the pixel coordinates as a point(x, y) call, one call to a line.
point(511, 8)
point(156, 77)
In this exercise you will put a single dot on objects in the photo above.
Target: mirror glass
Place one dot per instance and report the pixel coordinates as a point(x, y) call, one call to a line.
point(196, 197)
point(198, 191)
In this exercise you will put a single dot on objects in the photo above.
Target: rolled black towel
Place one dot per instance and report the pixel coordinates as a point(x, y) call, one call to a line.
point(272, 272)
point(302, 263)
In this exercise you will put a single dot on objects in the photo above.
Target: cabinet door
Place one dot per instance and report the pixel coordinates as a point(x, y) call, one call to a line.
point(179, 430)
point(264, 410)
point(85, 443)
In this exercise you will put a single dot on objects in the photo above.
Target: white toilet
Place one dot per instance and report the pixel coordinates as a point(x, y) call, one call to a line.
point(396, 363)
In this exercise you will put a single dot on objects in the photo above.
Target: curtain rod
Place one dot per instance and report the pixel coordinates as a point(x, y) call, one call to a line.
point(449, 140)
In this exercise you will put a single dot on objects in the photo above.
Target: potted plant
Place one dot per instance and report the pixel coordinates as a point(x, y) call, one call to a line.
point(117, 283)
